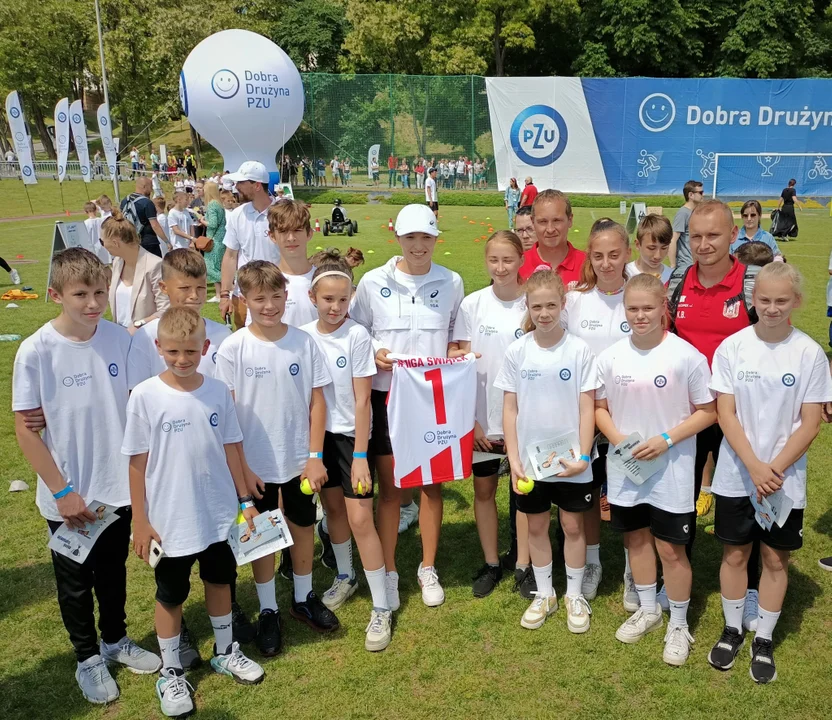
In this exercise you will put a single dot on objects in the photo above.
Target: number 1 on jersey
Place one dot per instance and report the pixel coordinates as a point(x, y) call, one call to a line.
point(434, 377)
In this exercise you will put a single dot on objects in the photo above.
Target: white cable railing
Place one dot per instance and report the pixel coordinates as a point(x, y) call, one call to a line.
point(48, 169)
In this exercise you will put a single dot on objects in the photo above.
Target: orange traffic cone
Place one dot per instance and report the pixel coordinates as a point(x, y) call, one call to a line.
point(317, 225)
point(390, 224)
point(66, 212)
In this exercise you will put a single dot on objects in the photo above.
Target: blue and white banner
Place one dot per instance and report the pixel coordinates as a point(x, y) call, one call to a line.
point(651, 135)
point(20, 137)
point(105, 128)
point(79, 135)
point(372, 154)
point(62, 135)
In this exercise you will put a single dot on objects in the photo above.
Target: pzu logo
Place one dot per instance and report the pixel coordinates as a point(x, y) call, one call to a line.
point(518, 333)
point(113, 369)
point(538, 135)
point(565, 374)
point(385, 292)
point(625, 327)
point(214, 420)
point(294, 369)
point(788, 380)
point(660, 381)
point(341, 362)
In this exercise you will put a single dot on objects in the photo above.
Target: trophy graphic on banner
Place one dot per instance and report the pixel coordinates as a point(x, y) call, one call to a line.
point(767, 162)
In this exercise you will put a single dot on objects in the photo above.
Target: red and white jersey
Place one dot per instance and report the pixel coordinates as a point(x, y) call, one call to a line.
point(430, 415)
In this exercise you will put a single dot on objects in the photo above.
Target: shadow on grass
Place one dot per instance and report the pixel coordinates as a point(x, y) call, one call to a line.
point(25, 585)
point(823, 524)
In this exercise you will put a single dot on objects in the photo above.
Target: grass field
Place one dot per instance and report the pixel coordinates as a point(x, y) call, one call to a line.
point(468, 658)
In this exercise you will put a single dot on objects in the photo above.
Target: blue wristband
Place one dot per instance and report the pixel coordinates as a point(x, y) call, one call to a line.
point(360, 455)
point(667, 440)
point(246, 505)
point(586, 458)
point(315, 455)
point(62, 493)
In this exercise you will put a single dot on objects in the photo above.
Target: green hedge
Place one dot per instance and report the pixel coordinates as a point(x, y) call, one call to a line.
point(327, 197)
point(495, 199)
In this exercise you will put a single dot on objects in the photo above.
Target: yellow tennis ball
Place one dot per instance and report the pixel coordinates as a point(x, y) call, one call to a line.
point(306, 487)
point(359, 489)
point(241, 519)
point(525, 485)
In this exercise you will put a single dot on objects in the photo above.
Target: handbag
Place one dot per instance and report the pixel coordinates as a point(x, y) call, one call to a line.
point(204, 244)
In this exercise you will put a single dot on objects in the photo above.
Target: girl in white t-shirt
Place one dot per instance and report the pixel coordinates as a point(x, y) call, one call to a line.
point(772, 381)
point(549, 377)
point(656, 385)
point(595, 313)
point(348, 349)
point(489, 320)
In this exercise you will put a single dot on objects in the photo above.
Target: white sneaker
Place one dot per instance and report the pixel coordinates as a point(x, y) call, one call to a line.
point(639, 624)
point(15, 277)
point(342, 590)
point(379, 630)
point(432, 593)
point(319, 509)
point(238, 666)
point(134, 658)
point(95, 681)
point(677, 642)
point(751, 611)
point(592, 578)
point(174, 693)
point(541, 608)
point(391, 582)
point(577, 614)
point(631, 601)
point(214, 299)
point(408, 515)
point(661, 598)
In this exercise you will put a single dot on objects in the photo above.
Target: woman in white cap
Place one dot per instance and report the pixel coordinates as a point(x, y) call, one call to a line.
point(409, 305)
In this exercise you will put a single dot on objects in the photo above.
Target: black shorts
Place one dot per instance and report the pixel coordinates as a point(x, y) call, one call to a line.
point(297, 507)
point(568, 496)
point(434, 206)
point(734, 524)
point(380, 440)
point(173, 574)
point(338, 451)
point(675, 528)
point(487, 468)
point(599, 466)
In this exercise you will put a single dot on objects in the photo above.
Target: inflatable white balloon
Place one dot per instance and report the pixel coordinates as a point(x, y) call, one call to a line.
point(243, 94)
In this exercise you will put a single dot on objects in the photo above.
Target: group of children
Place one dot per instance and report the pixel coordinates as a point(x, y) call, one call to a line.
point(190, 424)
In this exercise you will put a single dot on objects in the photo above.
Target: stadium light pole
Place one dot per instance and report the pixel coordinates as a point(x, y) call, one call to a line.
point(104, 84)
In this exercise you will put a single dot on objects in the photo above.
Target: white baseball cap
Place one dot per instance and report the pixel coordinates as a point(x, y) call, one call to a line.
point(416, 218)
point(250, 170)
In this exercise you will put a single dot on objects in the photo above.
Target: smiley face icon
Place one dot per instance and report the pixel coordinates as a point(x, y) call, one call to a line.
point(225, 84)
point(656, 112)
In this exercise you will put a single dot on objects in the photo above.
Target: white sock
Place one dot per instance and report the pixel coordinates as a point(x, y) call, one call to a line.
point(627, 569)
point(593, 554)
point(343, 558)
point(543, 578)
point(647, 597)
point(679, 612)
point(574, 580)
point(765, 623)
point(303, 586)
point(222, 633)
point(378, 591)
point(170, 651)
point(732, 610)
point(266, 596)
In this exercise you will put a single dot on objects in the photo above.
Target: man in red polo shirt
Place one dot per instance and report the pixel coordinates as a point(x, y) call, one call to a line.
point(711, 307)
point(552, 218)
point(528, 195)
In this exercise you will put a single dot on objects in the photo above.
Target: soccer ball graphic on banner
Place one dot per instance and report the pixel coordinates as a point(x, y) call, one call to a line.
point(243, 94)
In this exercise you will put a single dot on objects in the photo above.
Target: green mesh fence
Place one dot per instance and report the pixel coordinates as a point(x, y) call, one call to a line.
point(431, 117)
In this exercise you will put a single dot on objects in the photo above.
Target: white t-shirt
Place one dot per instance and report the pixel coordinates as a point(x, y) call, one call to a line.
point(94, 233)
point(299, 308)
point(632, 271)
point(430, 190)
point(144, 360)
point(162, 219)
point(190, 498)
point(548, 383)
point(408, 314)
point(770, 383)
point(9, 156)
point(82, 388)
point(595, 317)
point(247, 231)
point(490, 325)
point(122, 314)
point(349, 354)
point(335, 164)
point(651, 392)
point(272, 384)
point(181, 219)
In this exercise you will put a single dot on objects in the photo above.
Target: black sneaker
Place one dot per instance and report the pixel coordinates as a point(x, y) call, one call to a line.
point(825, 563)
point(188, 654)
point(724, 653)
point(525, 584)
point(486, 580)
point(242, 630)
point(269, 637)
point(285, 567)
point(315, 614)
point(327, 553)
point(762, 668)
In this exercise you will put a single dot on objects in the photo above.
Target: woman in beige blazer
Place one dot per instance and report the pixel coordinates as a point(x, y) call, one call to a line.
point(135, 296)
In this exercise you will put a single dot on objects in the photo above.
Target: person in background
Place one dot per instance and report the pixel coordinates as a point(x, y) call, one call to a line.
point(374, 170)
point(431, 196)
point(156, 184)
point(97, 169)
point(134, 161)
point(679, 252)
point(335, 165)
point(529, 194)
point(150, 231)
point(354, 257)
point(787, 220)
point(13, 274)
point(190, 164)
point(392, 164)
point(420, 173)
point(653, 237)
point(512, 199)
point(161, 206)
point(154, 161)
point(524, 227)
point(552, 217)
point(214, 229)
point(346, 171)
point(751, 231)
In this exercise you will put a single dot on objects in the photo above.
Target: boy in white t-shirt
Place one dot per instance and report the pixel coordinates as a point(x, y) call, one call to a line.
point(180, 221)
point(162, 218)
point(73, 370)
point(186, 474)
point(277, 374)
point(291, 230)
point(653, 237)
